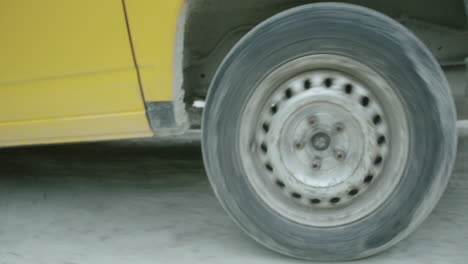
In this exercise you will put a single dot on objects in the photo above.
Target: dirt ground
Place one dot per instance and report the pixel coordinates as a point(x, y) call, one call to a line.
point(149, 201)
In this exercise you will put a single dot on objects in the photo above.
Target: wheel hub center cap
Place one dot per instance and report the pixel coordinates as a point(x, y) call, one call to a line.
point(321, 141)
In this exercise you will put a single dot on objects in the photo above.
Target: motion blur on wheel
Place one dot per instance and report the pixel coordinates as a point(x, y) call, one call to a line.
point(329, 132)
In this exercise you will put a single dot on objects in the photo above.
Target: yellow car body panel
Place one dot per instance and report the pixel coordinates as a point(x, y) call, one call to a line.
point(68, 73)
point(153, 29)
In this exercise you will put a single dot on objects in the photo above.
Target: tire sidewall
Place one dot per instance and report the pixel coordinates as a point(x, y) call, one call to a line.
point(384, 46)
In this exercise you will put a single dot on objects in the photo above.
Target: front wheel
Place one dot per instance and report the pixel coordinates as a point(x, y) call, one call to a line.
point(329, 132)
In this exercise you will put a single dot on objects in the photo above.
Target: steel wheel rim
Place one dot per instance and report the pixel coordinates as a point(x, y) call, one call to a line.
point(316, 137)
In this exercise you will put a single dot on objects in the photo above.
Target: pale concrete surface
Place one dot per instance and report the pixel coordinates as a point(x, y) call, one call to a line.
point(150, 202)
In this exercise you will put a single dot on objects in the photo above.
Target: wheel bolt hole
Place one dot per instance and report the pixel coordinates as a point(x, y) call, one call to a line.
point(378, 160)
point(296, 195)
point(315, 201)
point(328, 82)
point(288, 93)
point(268, 167)
point(368, 178)
point(365, 101)
point(274, 108)
point(348, 88)
point(266, 127)
point(280, 183)
point(377, 119)
point(353, 192)
point(307, 84)
point(381, 140)
point(334, 200)
point(264, 147)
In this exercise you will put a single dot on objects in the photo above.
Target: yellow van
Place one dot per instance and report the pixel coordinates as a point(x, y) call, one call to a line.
point(329, 129)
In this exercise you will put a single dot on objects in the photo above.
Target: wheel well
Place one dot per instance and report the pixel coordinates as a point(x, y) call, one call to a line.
point(212, 27)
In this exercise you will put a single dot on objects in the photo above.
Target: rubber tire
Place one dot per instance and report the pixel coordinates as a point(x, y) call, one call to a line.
point(382, 44)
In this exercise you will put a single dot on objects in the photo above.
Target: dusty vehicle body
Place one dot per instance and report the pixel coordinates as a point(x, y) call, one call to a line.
point(127, 69)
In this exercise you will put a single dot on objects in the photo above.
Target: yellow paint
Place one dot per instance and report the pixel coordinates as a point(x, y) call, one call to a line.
point(98, 127)
point(60, 60)
point(97, 93)
point(153, 28)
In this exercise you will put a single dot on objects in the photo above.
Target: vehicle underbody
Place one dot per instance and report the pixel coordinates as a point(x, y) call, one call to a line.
point(210, 28)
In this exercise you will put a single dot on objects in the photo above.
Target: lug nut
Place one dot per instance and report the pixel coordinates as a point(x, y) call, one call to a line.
point(299, 145)
point(312, 121)
point(339, 127)
point(340, 155)
point(316, 164)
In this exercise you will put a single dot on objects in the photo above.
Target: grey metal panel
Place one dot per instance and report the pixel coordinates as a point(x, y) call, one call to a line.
point(161, 114)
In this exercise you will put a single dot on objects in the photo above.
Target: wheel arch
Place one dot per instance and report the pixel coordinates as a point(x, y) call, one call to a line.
point(208, 29)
